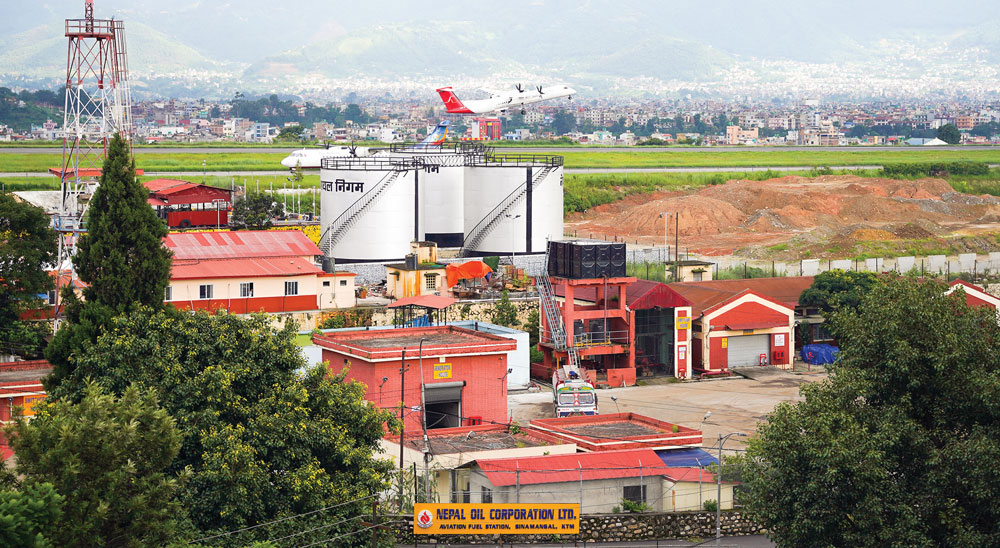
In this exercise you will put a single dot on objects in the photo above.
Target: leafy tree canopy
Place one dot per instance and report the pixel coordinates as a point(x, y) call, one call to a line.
point(255, 211)
point(949, 133)
point(27, 516)
point(27, 245)
point(898, 447)
point(838, 288)
point(261, 439)
point(107, 456)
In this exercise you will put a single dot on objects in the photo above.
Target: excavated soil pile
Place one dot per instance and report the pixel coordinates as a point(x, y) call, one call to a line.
point(721, 218)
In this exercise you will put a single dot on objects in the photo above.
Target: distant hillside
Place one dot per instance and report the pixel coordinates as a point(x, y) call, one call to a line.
point(41, 53)
point(21, 111)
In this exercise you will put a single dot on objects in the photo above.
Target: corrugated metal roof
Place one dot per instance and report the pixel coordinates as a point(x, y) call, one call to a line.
point(241, 268)
point(436, 302)
point(567, 468)
point(167, 186)
point(241, 245)
point(704, 295)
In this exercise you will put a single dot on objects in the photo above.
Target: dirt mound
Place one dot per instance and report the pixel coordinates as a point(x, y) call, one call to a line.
point(741, 212)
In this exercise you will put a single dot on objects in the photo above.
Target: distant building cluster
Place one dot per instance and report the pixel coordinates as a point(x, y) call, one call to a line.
point(598, 121)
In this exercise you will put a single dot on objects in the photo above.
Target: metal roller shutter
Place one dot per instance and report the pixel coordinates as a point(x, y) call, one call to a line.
point(745, 350)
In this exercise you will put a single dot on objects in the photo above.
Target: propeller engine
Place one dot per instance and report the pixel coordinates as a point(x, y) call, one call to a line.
point(519, 88)
point(539, 88)
point(353, 149)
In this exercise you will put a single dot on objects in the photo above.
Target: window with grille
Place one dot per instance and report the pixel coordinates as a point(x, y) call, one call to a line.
point(487, 494)
point(205, 291)
point(168, 293)
point(430, 282)
point(246, 289)
point(291, 288)
point(634, 493)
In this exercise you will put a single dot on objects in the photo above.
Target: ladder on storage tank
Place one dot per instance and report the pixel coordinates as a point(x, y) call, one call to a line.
point(496, 215)
point(336, 230)
point(553, 318)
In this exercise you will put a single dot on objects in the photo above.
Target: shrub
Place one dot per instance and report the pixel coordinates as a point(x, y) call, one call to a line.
point(710, 505)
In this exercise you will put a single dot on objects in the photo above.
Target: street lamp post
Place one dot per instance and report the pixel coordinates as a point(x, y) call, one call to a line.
point(718, 482)
point(423, 420)
point(512, 243)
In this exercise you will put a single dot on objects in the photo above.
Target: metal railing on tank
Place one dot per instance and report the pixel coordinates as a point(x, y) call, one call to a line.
point(371, 164)
point(517, 160)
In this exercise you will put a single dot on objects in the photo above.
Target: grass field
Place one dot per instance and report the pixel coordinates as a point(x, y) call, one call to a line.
point(764, 157)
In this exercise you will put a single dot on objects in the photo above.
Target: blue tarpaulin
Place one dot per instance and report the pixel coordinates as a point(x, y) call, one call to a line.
point(686, 458)
point(818, 354)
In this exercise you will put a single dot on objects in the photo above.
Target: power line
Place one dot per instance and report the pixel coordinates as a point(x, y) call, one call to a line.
point(234, 531)
point(369, 528)
point(314, 529)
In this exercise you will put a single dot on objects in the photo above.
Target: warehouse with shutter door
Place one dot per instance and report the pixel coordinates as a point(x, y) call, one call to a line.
point(737, 329)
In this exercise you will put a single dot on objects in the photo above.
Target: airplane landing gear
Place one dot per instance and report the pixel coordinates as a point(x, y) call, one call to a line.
point(523, 112)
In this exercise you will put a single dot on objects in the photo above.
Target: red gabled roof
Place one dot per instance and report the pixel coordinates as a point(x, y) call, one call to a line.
point(639, 295)
point(167, 186)
point(241, 268)
point(437, 302)
point(567, 468)
point(708, 294)
point(241, 245)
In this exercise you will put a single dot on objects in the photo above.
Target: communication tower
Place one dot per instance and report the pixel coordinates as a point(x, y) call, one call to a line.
point(98, 104)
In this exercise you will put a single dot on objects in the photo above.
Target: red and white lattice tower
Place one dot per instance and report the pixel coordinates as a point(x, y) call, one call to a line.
point(98, 105)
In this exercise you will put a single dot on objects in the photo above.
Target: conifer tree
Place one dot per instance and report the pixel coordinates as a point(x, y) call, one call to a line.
point(122, 257)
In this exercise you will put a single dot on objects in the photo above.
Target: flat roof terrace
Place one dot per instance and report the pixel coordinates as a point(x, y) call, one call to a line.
point(388, 344)
point(470, 439)
point(619, 431)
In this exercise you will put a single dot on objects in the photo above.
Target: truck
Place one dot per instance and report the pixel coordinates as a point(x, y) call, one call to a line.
point(572, 395)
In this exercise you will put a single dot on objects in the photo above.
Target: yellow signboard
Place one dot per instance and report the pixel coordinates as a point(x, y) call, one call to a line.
point(683, 322)
point(725, 342)
point(28, 407)
point(442, 371)
point(496, 519)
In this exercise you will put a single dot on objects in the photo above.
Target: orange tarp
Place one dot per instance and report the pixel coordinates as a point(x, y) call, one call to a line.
point(465, 271)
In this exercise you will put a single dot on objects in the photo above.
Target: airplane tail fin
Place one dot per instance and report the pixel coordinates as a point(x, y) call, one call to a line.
point(436, 137)
point(452, 102)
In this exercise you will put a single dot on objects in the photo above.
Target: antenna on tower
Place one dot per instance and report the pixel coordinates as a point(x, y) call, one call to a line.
point(98, 104)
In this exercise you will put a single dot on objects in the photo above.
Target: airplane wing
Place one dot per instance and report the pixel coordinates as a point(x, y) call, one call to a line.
point(495, 93)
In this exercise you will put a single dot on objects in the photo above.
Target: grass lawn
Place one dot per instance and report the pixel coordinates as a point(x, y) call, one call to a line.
point(638, 157)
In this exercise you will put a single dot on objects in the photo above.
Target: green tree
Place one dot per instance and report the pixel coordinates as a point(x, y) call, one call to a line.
point(291, 133)
point(898, 447)
point(28, 516)
point(504, 312)
point(563, 122)
point(838, 288)
point(27, 244)
point(108, 457)
point(721, 122)
point(121, 258)
point(949, 133)
point(262, 439)
point(255, 211)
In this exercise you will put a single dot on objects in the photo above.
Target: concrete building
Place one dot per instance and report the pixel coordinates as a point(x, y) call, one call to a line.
point(598, 480)
point(618, 431)
point(20, 388)
point(742, 322)
point(184, 204)
point(648, 329)
point(418, 274)
point(446, 450)
point(453, 376)
point(254, 271)
point(735, 135)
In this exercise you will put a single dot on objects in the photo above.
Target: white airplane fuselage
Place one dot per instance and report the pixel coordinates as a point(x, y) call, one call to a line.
point(500, 102)
point(312, 158)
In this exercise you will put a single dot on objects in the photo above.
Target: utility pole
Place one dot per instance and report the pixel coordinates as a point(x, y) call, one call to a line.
point(423, 422)
point(402, 423)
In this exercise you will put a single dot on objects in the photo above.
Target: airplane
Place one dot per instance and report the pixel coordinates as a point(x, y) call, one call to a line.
point(502, 101)
point(312, 158)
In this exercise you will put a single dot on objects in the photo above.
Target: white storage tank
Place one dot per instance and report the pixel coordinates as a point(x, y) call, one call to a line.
point(497, 218)
point(440, 179)
point(367, 210)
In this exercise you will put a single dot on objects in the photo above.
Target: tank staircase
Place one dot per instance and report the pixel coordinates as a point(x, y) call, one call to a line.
point(493, 219)
point(553, 318)
point(340, 226)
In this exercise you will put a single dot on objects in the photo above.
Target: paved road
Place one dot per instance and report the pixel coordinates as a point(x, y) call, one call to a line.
point(752, 541)
point(500, 150)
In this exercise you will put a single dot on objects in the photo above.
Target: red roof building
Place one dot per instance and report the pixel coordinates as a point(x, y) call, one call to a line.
point(619, 431)
point(20, 388)
point(183, 204)
point(458, 373)
point(974, 295)
point(598, 480)
point(254, 271)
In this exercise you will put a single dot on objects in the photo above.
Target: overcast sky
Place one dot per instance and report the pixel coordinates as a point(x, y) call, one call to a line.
point(246, 30)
